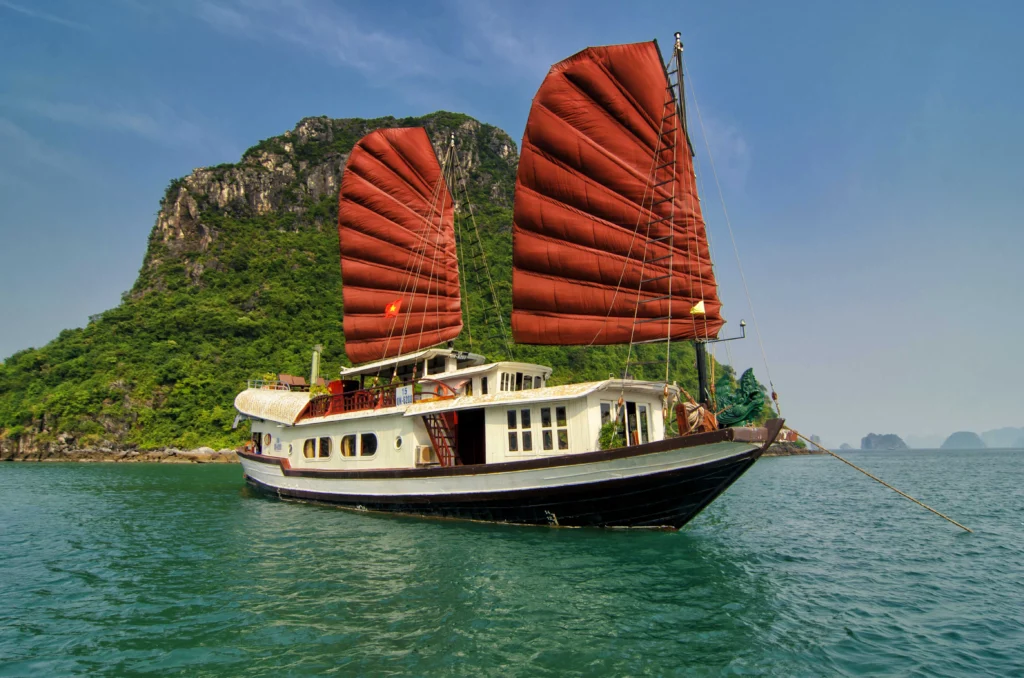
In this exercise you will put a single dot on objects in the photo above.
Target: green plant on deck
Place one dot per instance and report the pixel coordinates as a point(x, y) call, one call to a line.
point(611, 436)
point(671, 424)
point(318, 390)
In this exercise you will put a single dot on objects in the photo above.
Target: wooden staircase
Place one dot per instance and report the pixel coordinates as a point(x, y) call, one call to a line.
point(442, 427)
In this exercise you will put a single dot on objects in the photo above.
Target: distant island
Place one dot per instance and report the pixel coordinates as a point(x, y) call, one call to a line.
point(882, 441)
point(846, 446)
point(964, 440)
point(1008, 436)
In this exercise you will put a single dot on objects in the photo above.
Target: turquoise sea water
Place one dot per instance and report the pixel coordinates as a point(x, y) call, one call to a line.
point(803, 567)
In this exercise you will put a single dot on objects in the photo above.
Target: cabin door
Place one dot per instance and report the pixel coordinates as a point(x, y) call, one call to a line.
point(471, 435)
point(632, 430)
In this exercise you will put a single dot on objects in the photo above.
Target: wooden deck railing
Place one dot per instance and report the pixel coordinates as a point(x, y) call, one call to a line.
point(373, 398)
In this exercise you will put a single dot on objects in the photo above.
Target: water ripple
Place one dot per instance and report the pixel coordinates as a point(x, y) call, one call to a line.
point(802, 568)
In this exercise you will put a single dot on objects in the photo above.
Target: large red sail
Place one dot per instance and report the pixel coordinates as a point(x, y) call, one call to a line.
point(399, 270)
point(595, 206)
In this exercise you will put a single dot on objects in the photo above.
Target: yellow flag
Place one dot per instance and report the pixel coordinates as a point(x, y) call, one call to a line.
point(698, 308)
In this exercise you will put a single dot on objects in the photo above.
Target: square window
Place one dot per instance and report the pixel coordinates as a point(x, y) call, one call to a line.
point(527, 441)
point(512, 419)
point(527, 382)
point(483, 385)
point(513, 441)
point(519, 381)
point(560, 416)
point(368, 444)
point(545, 417)
point(547, 439)
point(325, 447)
point(606, 413)
point(525, 418)
point(563, 439)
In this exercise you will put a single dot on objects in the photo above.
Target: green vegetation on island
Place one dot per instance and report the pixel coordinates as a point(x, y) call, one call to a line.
point(241, 277)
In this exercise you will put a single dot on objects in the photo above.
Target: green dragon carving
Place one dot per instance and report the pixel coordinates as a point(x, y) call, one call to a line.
point(743, 405)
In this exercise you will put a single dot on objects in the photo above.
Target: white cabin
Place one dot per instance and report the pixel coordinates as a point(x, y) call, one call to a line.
point(408, 412)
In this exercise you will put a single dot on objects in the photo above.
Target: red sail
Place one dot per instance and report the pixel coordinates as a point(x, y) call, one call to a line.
point(399, 270)
point(595, 206)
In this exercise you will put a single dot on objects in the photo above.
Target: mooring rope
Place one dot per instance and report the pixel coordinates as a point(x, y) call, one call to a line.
point(879, 480)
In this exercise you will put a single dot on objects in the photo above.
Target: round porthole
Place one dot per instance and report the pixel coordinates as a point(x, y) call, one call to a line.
point(266, 439)
point(398, 442)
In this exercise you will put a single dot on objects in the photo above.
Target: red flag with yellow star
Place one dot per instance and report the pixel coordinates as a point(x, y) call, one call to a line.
point(391, 310)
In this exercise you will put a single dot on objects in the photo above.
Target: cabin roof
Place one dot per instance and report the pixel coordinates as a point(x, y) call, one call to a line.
point(281, 406)
point(409, 358)
point(505, 365)
point(284, 407)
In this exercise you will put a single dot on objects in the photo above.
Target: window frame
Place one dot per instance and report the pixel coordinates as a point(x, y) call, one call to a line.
point(376, 445)
point(355, 446)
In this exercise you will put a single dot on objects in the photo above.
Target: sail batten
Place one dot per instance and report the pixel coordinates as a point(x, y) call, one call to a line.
point(398, 257)
point(609, 244)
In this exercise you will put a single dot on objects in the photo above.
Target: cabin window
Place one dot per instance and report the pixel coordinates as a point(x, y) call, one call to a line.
point(309, 448)
point(438, 364)
point(527, 441)
point(348, 446)
point(547, 440)
point(512, 419)
point(525, 418)
point(469, 387)
point(325, 447)
point(367, 444)
point(519, 381)
point(257, 443)
point(502, 381)
point(266, 440)
point(644, 429)
point(398, 442)
point(546, 434)
point(483, 385)
point(606, 413)
point(545, 417)
point(513, 441)
point(527, 382)
point(563, 433)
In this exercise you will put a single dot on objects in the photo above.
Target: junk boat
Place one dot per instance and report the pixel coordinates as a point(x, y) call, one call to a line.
point(609, 247)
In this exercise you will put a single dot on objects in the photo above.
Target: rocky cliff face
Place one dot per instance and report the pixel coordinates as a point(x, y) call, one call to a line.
point(298, 173)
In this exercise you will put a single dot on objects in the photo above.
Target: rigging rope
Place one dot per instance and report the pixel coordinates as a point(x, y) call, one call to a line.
point(879, 480)
point(411, 280)
point(483, 257)
point(728, 223)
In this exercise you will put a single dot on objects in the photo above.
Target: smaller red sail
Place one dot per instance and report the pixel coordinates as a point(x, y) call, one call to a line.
point(399, 271)
point(609, 245)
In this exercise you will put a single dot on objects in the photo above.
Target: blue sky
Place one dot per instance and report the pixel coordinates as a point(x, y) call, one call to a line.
point(869, 155)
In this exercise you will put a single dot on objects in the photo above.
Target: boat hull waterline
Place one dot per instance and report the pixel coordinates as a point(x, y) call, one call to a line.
point(662, 484)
